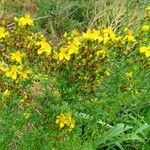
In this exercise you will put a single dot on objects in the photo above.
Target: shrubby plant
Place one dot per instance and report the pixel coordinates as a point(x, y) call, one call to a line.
point(66, 95)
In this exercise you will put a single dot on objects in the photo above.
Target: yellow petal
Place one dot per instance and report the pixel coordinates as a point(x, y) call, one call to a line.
point(67, 57)
point(61, 124)
point(143, 49)
point(14, 75)
point(61, 56)
point(8, 73)
point(40, 51)
point(57, 121)
point(147, 53)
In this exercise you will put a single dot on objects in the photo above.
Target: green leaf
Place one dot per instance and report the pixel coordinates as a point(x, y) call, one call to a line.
point(110, 134)
point(142, 128)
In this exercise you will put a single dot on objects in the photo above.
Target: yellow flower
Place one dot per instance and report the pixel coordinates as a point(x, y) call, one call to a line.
point(24, 21)
point(74, 32)
point(112, 34)
point(145, 28)
point(106, 38)
point(109, 32)
point(17, 56)
point(61, 120)
point(44, 47)
point(73, 49)
point(129, 37)
point(96, 35)
point(77, 41)
point(2, 32)
point(87, 34)
point(6, 93)
point(24, 74)
point(143, 49)
point(147, 53)
point(64, 54)
point(66, 119)
point(65, 35)
point(70, 122)
point(92, 35)
point(13, 72)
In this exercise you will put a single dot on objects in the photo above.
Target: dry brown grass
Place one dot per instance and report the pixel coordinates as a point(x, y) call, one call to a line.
point(11, 8)
point(68, 14)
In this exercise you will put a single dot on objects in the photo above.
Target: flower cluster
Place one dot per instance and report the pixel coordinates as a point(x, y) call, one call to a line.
point(18, 57)
point(75, 66)
point(24, 21)
point(16, 70)
point(145, 50)
point(84, 54)
point(129, 36)
point(44, 47)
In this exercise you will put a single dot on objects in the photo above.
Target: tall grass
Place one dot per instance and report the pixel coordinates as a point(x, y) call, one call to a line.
point(69, 14)
point(64, 15)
